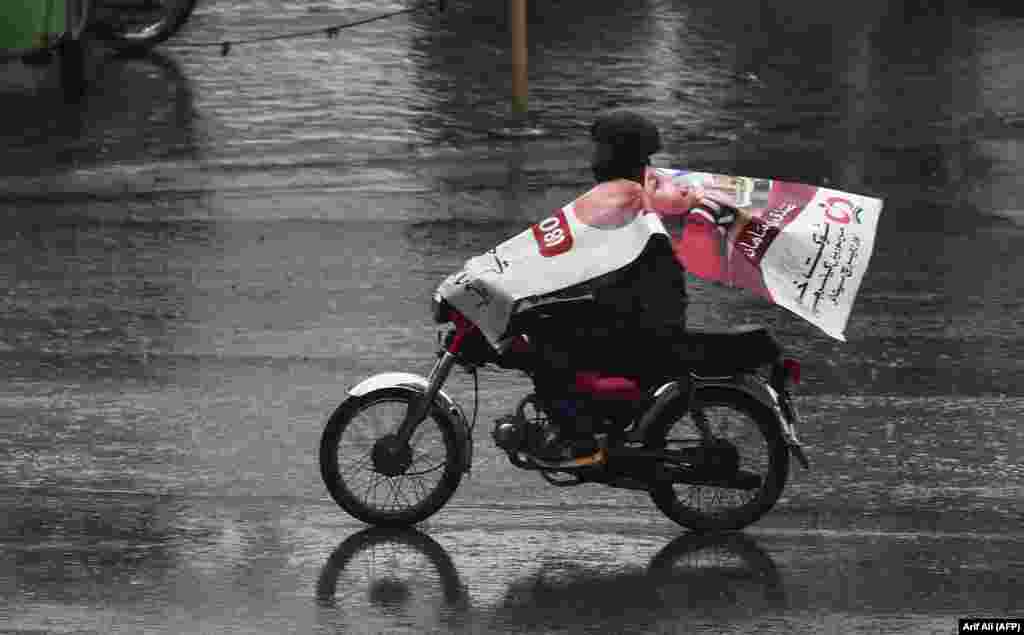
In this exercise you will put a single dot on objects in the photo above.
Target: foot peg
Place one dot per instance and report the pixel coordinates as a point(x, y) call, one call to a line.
point(598, 457)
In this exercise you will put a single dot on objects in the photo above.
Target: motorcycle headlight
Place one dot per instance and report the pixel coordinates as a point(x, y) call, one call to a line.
point(438, 309)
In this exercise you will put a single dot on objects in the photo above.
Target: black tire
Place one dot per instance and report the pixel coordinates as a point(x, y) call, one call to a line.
point(773, 465)
point(158, 20)
point(428, 501)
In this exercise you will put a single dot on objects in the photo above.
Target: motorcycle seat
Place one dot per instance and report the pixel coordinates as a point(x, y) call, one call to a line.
point(731, 350)
point(608, 387)
point(704, 352)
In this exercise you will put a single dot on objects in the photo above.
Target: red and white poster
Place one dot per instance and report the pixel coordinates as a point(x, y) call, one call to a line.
point(803, 247)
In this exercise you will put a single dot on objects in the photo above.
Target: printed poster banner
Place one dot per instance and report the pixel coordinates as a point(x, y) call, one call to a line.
point(803, 247)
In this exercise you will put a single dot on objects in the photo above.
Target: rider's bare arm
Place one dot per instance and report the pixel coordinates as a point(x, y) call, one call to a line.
point(611, 204)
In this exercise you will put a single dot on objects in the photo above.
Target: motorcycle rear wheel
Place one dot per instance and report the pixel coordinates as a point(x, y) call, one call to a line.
point(355, 465)
point(761, 451)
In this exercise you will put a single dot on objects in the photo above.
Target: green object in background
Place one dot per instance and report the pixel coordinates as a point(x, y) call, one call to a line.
point(30, 24)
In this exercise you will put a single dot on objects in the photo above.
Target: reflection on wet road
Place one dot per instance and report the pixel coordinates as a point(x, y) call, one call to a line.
point(200, 258)
point(128, 563)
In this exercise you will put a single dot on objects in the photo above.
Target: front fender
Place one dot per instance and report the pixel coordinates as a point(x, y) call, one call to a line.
point(417, 383)
point(389, 380)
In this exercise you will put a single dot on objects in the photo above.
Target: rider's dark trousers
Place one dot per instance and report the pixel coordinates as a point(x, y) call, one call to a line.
point(597, 342)
point(635, 326)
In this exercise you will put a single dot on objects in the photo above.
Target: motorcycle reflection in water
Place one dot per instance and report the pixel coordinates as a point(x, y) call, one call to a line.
point(380, 574)
point(694, 577)
point(379, 577)
point(383, 573)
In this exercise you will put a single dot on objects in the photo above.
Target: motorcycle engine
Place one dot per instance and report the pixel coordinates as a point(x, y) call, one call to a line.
point(509, 433)
point(528, 428)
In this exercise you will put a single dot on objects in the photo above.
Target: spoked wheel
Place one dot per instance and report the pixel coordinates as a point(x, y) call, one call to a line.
point(136, 26)
point(375, 477)
point(734, 463)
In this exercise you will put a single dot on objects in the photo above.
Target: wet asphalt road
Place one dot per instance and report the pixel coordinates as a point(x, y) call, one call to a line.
point(202, 256)
point(106, 562)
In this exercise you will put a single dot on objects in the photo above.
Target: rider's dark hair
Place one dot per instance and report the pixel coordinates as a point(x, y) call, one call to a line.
point(623, 144)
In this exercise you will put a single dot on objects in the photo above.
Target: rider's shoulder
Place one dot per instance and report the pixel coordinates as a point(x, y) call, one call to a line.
point(610, 204)
point(620, 193)
point(624, 187)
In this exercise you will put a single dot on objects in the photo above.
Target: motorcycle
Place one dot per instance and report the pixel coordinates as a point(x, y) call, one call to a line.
point(710, 442)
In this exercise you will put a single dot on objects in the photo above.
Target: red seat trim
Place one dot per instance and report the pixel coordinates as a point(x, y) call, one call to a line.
point(615, 388)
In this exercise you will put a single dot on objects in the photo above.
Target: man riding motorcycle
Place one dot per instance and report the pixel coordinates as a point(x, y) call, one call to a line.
point(590, 303)
point(630, 322)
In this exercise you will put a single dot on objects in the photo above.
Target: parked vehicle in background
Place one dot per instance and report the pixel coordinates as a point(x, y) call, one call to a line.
point(139, 25)
point(32, 31)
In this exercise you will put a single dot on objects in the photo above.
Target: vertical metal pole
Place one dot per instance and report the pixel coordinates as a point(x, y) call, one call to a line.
point(72, 53)
point(519, 86)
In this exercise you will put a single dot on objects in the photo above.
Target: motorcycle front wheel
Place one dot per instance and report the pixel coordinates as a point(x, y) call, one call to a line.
point(373, 477)
point(749, 432)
